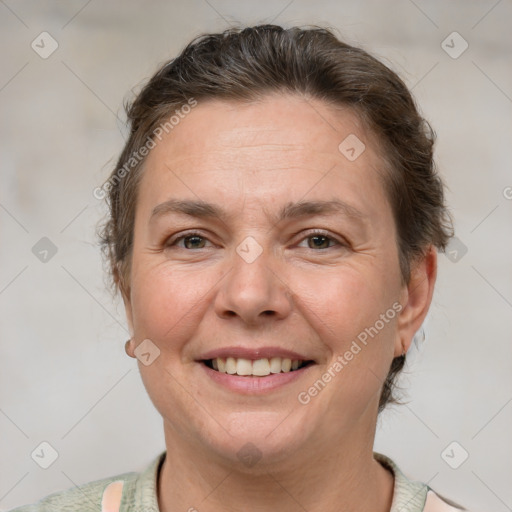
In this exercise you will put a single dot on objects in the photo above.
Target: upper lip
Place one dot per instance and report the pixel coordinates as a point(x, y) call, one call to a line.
point(253, 353)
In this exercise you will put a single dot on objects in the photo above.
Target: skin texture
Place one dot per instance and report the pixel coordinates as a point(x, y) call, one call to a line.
point(193, 296)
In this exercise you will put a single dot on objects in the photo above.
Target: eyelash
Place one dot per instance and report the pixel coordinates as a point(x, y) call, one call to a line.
point(311, 234)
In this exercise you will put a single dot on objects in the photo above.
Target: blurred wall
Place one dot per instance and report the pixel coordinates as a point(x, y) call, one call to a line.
point(65, 378)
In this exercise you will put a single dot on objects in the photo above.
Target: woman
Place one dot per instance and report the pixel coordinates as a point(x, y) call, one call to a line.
point(275, 217)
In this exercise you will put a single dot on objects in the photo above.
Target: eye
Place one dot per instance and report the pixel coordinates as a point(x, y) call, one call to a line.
point(191, 240)
point(194, 240)
point(320, 240)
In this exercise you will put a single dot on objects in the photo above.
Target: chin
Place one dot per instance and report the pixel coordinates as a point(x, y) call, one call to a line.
point(255, 441)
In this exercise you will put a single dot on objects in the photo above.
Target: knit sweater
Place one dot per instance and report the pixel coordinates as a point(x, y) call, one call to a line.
point(139, 492)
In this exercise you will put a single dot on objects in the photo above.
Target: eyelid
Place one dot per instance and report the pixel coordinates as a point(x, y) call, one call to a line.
point(172, 240)
point(327, 234)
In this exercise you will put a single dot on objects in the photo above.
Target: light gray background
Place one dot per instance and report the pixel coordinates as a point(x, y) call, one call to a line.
point(65, 378)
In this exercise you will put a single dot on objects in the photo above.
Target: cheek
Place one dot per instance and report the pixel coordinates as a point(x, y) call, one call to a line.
point(345, 310)
point(354, 315)
point(164, 300)
point(347, 300)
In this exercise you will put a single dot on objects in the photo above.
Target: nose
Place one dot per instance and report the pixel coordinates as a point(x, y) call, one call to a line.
point(254, 291)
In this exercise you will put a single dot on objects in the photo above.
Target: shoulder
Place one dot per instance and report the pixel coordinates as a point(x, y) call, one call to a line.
point(413, 496)
point(84, 497)
point(435, 503)
point(137, 487)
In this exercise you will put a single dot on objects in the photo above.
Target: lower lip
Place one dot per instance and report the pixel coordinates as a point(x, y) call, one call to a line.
point(254, 385)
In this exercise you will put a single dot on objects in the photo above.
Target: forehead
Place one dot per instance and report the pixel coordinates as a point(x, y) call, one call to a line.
point(281, 145)
point(281, 123)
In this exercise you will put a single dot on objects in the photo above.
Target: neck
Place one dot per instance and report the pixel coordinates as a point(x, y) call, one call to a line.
point(346, 478)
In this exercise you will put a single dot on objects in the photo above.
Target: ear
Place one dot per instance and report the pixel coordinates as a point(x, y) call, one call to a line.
point(129, 347)
point(128, 310)
point(126, 295)
point(416, 300)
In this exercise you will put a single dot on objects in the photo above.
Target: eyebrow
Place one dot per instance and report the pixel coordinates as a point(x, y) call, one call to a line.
point(202, 209)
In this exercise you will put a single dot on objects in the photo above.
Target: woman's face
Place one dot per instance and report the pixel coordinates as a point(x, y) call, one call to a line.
point(300, 263)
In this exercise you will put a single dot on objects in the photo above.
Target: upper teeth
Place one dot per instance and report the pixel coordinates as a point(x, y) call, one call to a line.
point(259, 367)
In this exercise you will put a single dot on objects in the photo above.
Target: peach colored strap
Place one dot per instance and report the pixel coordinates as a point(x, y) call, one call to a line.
point(434, 503)
point(112, 497)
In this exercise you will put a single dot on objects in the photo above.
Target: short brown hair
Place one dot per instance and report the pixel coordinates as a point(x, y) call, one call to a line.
point(247, 64)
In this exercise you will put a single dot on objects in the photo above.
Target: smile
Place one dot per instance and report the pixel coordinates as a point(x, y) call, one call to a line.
point(255, 368)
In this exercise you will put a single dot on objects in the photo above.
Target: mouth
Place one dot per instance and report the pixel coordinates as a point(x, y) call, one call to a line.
point(255, 367)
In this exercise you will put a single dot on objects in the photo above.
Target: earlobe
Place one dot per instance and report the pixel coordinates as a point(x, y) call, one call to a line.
point(128, 348)
point(417, 299)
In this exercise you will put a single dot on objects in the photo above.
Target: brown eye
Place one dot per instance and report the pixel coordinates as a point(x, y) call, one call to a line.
point(319, 242)
point(193, 242)
point(190, 241)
